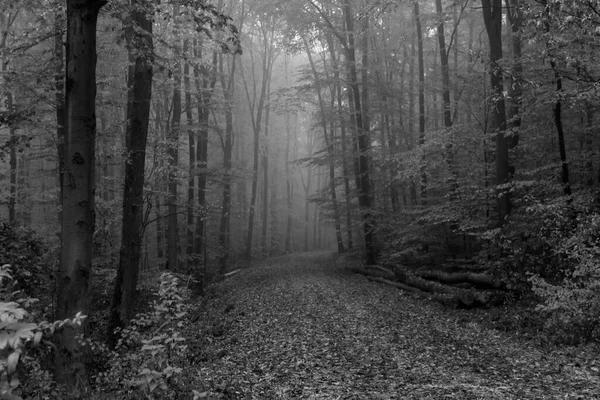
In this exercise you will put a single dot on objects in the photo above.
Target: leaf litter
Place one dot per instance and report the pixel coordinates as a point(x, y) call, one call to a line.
point(305, 327)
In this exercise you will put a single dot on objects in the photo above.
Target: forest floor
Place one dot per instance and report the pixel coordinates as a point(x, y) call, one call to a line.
point(305, 327)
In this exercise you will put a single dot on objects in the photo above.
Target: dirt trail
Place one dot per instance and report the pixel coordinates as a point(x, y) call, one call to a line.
point(304, 327)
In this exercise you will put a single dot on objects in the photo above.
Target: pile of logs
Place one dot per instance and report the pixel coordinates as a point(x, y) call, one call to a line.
point(462, 289)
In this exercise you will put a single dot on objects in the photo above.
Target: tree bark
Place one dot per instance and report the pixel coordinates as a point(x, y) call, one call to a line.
point(78, 188)
point(288, 183)
point(173, 149)
point(330, 153)
point(447, 106)
point(59, 87)
point(515, 18)
point(192, 157)
point(337, 93)
point(265, 164)
point(492, 17)
point(206, 80)
point(227, 143)
point(421, 63)
point(362, 133)
point(141, 48)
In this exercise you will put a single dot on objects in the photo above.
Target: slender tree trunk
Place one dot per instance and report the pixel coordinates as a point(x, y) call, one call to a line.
point(139, 35)
point(228, 92)
point(307, 207)
point(12, 200)
point(340, 112)
point(447, 106)
point(330, 152)
point(492, 17)
point(256, 114)
point(78, 187)
point(206, 80)
point(265, 164)
point(558, 110)
point(288, 182)
point(421, 63)
point(515, 18)
point(173, 149)
point(192, 157)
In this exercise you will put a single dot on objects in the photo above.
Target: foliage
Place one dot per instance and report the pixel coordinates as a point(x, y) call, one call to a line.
point(17, 336)
point(146, 356)
point(23, 250)
point(571, 298)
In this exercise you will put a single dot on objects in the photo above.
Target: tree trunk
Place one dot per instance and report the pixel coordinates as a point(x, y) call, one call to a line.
point(173, 149)
point(139, 38)
point(362, 132)
point(340, 112)
point(515, 18)
point(12, 200)
point(59, 87)
point(192, 157)
point(228, 92)
point(307, 206)
point(78, 188)
point(265, 164)
point(421, 63)
point(330, 153)
point(206, 80)
point(256, 114)
point(447, 106)
point(288, 183)
point(492, 17)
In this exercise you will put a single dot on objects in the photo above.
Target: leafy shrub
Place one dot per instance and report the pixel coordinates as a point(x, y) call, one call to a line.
point(144, 359)
point(23, 251)
point(551, 250)
point(572, 303)
point(18, 336)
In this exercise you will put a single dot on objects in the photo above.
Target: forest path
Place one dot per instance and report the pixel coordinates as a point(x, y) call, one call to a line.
point(304, 327)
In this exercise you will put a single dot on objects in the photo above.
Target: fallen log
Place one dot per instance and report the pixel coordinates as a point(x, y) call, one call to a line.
point(445, 299)
point(227, 275)
point(376, 272)
point(477, 279)
point(458, 298)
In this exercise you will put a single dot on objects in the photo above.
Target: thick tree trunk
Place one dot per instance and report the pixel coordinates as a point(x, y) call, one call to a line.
point(78, 187)
point(362, 132)
point(59, 87)
point(139, 37)
point(492, 17)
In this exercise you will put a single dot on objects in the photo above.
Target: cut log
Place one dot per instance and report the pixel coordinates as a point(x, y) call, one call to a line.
point(395, 284)
point(443, 298)
point(479, 280)
point(457, 298)
point(377, 272)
